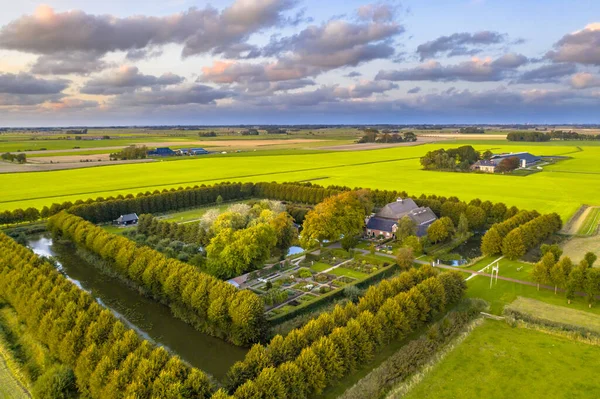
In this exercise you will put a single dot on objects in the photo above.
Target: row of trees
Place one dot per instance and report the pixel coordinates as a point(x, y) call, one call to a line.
point(282, 349)
point(18, 158)
point(210, 305)
point(460, 158)
point(562, 273)
point(491, 243)
point(131, 152)
point(553, 135)
point(529, 235)
point(349, 347)
point(107, 359)
point(373, 136)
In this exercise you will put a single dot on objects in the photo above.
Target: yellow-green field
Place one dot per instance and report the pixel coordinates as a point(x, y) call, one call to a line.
point(560, 188)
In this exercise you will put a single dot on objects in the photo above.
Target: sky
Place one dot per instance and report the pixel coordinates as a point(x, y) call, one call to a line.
point(187, 62)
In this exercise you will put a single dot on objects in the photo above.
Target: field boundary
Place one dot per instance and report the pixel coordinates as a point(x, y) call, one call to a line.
point(589, 226)
point(569, 227)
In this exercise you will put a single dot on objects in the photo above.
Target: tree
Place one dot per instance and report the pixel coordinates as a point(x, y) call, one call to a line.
point(591, 285)
point(541, 270)
point(508, 164)
point(463, 226)
point(554, 249)
point(575, 282)
point(219, 200)
point(406, 227)
point(349, 242)
point(491, 243)
point(438, 230)
point(405, 258)
point(414, 243)
point(513, 245)
point(487, 155)
point(337, 216)
point(590, 257)
point(559, 274)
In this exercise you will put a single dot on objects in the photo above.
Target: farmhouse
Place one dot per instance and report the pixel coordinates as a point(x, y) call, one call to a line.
point(126, 220)
point(162, 152)
point(385, 222)
point(525, 159)
point(484, 166)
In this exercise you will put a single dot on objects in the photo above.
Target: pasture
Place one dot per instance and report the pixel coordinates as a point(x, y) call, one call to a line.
point(560, 188)
point(590, 223)
point(498, 361)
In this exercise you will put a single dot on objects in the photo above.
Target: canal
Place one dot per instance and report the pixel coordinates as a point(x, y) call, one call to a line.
point(149, 318)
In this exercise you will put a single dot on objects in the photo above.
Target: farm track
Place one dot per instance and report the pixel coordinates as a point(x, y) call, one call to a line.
point(590, 224)
point(218, 179)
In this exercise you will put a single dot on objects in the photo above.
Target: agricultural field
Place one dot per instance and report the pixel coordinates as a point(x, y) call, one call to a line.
point(560, 188)
point(497, 361)
point(589, 226)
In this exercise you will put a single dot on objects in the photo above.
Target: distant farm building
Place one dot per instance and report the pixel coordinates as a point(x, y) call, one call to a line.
point(192, 151)
point(525, 159)
point(385, 222)
point(126, 220)
point(161, 152)
point(484, 166)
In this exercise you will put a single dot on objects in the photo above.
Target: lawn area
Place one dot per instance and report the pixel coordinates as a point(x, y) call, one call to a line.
point(505, 292)
point(342, 271)
point(507, 268)
point(590, 224)
point(9, 386)
point(497, 361)
point(560, 188)
point(319, 267)
point(194, 214)
point(559, 314)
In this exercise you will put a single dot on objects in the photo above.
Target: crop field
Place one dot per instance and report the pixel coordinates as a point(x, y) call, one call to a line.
point(497, 361)
point(562, 188)
point(590, 224)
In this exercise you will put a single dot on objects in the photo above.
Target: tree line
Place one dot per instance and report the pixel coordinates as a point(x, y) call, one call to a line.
point(18, 158)
point(453, 159)
point(131, 152)
point(283, 349)
point(491, 243)
point(349, 347)
point(553, 135)
point(102, 356)
point(374, 136)
point(207, 303)
point(525, 235)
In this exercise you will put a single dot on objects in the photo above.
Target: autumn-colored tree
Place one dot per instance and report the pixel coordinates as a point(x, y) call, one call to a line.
point(559, 274)
point(406, 227)
point(491, 243)
point(405, 258)
point(414, 243)
point(541, 272)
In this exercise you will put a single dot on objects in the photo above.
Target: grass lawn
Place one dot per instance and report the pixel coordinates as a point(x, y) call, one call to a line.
point(342, 271)
point(497, 361)
point(560, 314)
point(508, 268)
point(319, 267)
point(115, 229)
point(195, 214)
point(9, 386)
point(561, 188)
point(505, 292)
point(590, 224)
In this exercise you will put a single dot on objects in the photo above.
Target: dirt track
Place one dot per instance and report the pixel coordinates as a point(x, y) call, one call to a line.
point(378, 146)
point(8, 167)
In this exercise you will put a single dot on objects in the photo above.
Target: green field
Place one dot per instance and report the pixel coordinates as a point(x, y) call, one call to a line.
point(9, 386)
point(497, 361)
point(507, 268)
point(590, 224)
point(561, 188)
point(558, 314)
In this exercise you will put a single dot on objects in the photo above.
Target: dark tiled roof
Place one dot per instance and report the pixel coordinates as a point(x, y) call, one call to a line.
point(127, 218)
point(521, 155)
point(422, 215)
point(395, 210)
point(484, 162)
point(377, 223)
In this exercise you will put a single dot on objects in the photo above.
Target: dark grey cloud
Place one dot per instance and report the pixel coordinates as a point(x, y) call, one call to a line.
point(196, 94)
point(314, 50)
point(353, 74)
point(472, 71)
point(460, 44)
point(206, 30)
point(26, 84)
point(128, 78)
point(64, 63)
point(547, 73)
point(378, 12)
point(143, 54)
point(582, 47)
point(414, 90)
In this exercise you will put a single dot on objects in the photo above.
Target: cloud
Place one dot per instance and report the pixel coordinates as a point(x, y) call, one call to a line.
point(195, 94)
point(65, 63)
point(475, 70)
point(70, 104)
point(459, 44)
point(314, 50)
point(582, 47)
point(128, 78)
point(584, 80)
point(26, 84)
point(547, 73)
point(353, 74)
point(380, 12)
point(414, 90)
point(201, 31)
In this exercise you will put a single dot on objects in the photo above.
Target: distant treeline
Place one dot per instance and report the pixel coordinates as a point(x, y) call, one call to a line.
point(472, 130)
point(547, 136)
point(18, 158)
point(460, 158)
point(374, 136)
point(131, 152)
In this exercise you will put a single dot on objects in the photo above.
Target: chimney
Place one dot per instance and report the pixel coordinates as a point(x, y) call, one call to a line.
point(400, 200)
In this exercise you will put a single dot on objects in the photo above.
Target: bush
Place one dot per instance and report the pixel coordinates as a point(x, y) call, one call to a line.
point(304, 273)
